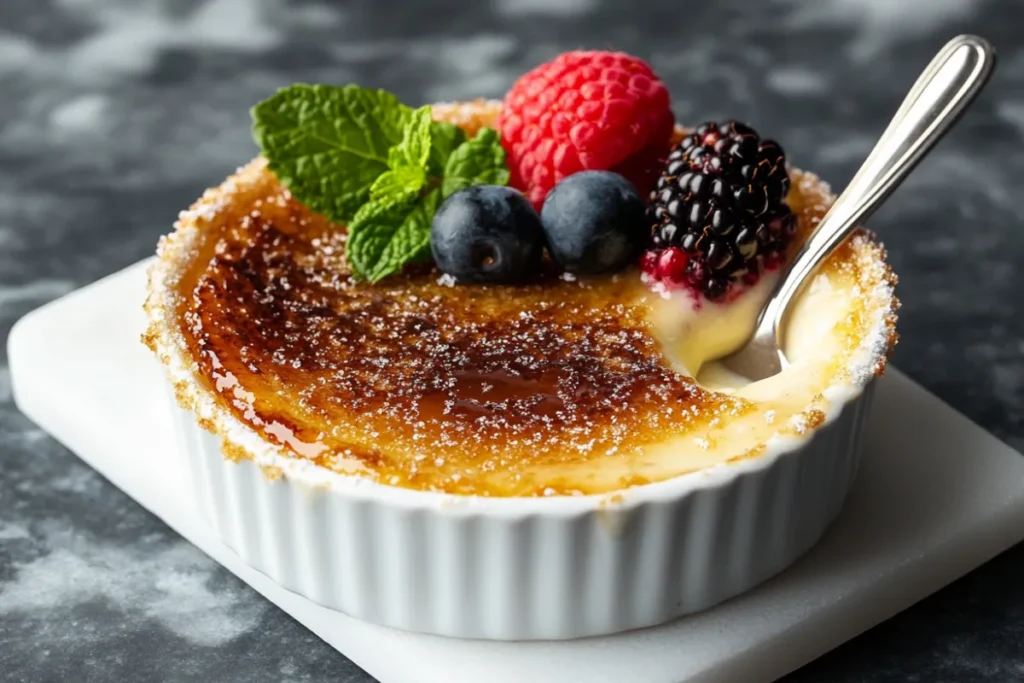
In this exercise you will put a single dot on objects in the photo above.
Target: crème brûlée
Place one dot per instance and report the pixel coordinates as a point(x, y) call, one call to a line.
point(563, 386)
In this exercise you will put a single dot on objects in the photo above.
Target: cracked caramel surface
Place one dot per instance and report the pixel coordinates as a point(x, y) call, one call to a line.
point(426, 385)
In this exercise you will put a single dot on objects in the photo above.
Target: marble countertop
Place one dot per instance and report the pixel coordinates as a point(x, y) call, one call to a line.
point(115, 114)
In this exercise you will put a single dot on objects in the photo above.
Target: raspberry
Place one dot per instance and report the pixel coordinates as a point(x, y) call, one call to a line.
point(585, 110)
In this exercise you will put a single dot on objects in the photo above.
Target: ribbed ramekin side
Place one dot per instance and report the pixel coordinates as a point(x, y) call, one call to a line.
point(618, 566)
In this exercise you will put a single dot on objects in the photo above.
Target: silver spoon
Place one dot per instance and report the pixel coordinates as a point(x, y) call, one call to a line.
point(945, 88)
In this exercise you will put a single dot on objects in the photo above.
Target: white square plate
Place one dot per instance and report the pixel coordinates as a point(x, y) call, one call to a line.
point(936, 496)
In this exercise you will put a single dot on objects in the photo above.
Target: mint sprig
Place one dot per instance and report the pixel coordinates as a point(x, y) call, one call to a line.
point(383, 238)
point(480, 161)
point(361, 157)
point(328, 144)
point(414, 149)
point(445, 138)
point(397, 185)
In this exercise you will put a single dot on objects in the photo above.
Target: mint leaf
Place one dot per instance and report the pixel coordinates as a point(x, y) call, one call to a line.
point(383, 238)
point(444, 139)
point(328, 144)
point(398, 186)
point(361, 157)
point(394, 228)
point(480, 161)
point(370, 232)
point(414, 149)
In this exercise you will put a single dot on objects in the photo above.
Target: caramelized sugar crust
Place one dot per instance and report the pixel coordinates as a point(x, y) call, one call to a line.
point(466, 389)
point(424, 384)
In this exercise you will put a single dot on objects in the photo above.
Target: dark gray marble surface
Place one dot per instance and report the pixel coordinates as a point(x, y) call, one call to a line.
point(115, 114)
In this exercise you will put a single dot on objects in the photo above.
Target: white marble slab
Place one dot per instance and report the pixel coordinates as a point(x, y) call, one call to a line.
point(936, 497)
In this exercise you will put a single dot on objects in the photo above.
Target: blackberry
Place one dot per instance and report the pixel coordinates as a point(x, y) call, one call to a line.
point(721, 201)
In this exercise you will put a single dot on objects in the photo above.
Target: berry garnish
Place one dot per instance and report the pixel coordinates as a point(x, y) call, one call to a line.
point(585, 111)
point(487, 233)
point(720, 202)
point(595, 222)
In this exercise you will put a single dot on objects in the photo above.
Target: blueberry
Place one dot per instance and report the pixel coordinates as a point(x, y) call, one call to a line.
point(487, 233)
point(595, 223)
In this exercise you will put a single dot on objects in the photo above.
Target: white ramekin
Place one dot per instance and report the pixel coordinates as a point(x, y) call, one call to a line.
point(512, 568)
point(530, 568)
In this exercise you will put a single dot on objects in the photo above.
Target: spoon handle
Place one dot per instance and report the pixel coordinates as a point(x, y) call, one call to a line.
point(941, 93)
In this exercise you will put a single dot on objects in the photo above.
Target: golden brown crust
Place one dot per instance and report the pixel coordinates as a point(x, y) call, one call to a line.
point(265, 238)
point(496, 379)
